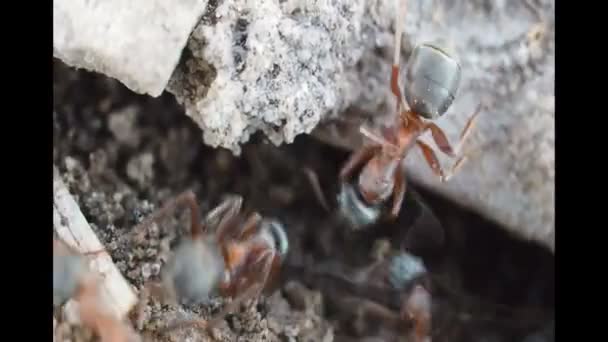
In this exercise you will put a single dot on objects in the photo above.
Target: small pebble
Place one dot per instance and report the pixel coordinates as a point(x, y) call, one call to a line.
point(146, 271)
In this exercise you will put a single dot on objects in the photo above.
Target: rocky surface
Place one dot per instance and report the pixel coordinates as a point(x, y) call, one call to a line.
point(275, 66)
point(138, 42)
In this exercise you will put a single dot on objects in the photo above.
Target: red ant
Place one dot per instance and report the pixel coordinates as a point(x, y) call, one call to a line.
point(237, 260)
point(433, 77)
point(395, 280)
point(72, 279)
point(407, 274)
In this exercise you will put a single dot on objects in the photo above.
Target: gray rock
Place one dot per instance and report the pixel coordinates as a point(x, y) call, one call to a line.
point(276, 66)
point(138, 42)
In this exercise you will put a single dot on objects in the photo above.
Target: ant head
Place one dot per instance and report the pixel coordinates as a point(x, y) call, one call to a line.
point(432, 80)
point(68, 269)
point(278, 236)
point(194, 270)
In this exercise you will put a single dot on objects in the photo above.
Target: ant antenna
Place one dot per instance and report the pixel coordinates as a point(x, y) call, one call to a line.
point(399, 18)
point(398, 31)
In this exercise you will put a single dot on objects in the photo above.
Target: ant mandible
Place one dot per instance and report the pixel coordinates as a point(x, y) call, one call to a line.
point(433, 77)
point(237, 260)
point(72, 279)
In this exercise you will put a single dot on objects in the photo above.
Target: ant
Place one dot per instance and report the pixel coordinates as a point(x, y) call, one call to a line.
point(237, 260)
point(72, 279)
point(406, 274)
point(394, 280)
point(432, 80)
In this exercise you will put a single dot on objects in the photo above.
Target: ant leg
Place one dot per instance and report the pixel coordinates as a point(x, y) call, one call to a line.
point(417, 308)
point(189, 198)
point(468, 128)
point(223, 215)
point(95, 253)
point(63, 247)
point(254, 290)
point(442, 141)
point(257, 276)
point(313, 179)
point(457, 165)
point(445, 147)
point(357, 159)
point(399, 192)
point(397, 55)
point(94, 316)
point(431, 158)
point(229, 207)
point(249, 227)
point(149, 289)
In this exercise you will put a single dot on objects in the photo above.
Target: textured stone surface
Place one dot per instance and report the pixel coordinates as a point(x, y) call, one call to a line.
point(138, 42)
point(276, 66)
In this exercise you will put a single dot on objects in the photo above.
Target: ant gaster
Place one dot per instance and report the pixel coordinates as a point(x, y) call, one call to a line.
point(72, 279)
point(237, 260)
point(432, 80)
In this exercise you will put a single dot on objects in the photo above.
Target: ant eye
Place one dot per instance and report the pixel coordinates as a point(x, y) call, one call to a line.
point(432, 79)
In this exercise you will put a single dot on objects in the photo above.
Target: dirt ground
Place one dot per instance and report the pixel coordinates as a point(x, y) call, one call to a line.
point(123, 155)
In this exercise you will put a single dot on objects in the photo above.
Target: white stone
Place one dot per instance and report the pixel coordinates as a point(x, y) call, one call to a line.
point(138, 42)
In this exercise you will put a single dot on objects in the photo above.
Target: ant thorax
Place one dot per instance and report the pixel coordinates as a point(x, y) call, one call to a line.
point(408, 130)
point(376, 180)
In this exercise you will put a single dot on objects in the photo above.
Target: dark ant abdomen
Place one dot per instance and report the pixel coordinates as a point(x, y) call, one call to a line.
point(353, 208)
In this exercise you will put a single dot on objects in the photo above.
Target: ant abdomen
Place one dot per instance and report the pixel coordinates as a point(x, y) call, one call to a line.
point(354, 209)
point(404, 269)
point(432, 79)
point(67, 271)
point(194, 270)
